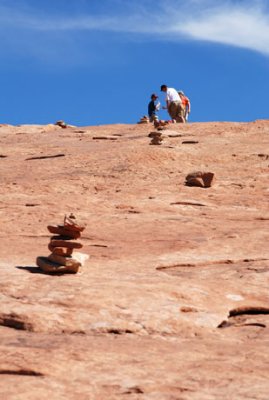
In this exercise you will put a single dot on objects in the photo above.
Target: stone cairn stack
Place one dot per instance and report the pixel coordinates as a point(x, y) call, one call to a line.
point(62, 258)
point(144, 120)
point(61, 123)
point(156, 137)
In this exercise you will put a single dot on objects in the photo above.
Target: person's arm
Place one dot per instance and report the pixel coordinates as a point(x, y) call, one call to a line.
point(167, 105)
point(189, 105)
point(168, 99)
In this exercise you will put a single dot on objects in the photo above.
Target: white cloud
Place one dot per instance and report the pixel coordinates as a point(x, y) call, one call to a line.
point(241, 26)
point(237, 23)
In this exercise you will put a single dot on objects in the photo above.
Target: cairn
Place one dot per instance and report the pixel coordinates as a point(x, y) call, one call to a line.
point(61, 123)
point(62, 244)
point(144, 120)
point(161, 123)
point(156, 137)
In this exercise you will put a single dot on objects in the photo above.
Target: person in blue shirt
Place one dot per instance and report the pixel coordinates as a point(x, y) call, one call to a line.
point(153, 108)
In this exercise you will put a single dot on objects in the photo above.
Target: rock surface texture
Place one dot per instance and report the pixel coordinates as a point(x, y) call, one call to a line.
point(173, 304)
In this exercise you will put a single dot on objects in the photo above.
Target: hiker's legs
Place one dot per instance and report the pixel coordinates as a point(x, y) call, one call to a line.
point(176, 111)
point(180, 114)
point(154, 118)
point(172, 110)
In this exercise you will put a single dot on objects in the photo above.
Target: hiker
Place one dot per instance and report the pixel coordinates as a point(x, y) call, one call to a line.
point(186, 104)
point(173, 104)
point(153, 108)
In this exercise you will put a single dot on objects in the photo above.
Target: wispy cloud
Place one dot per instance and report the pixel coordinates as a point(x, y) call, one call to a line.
point(241, 25)
point(238, 23)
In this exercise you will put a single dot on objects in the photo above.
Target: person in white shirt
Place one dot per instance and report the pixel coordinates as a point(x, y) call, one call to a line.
point(173, 104)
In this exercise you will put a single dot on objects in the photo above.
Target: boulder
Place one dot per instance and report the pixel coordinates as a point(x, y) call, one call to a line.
point(200, 179)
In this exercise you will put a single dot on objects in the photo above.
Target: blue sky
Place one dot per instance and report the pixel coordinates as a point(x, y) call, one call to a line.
point(92, 62)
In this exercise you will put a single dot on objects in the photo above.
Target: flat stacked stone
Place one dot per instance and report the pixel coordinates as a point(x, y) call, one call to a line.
point(62, 244)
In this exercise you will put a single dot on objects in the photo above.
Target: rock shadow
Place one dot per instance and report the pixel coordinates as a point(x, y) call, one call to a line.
point(22, 372)
point(38, 270)
point(31, 269)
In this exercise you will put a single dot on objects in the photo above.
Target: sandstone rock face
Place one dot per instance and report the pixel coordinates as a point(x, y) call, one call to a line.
point(173, 302)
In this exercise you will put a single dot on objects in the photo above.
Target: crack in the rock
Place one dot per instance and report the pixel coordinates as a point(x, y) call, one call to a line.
point(16, 322)
point(235, 317)
point(207, 263)
point(134, 390)
point(118, 331)
point(227, 324)
point(45, 157)
point(23, 372)
point(188, 203)
point(248, 310)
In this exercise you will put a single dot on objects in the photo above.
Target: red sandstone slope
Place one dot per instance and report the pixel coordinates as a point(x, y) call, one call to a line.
point(148, 316)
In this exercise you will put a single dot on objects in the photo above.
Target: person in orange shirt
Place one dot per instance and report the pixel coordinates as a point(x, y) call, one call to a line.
point(186, 104)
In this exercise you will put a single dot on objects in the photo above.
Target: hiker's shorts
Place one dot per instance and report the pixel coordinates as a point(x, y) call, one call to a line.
point(176, 111)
